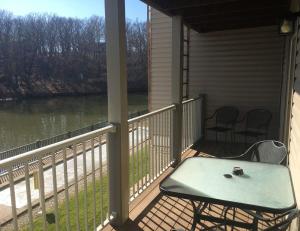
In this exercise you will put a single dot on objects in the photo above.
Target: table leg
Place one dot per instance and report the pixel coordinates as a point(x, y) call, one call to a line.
point(197, 210)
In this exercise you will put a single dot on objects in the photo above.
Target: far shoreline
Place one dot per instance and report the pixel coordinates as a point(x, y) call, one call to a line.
point(61, 95)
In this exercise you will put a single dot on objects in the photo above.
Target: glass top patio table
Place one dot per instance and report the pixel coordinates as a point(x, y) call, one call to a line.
point(263, 187)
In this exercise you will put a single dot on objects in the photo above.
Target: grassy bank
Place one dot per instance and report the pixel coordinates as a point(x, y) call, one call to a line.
point(97, 202)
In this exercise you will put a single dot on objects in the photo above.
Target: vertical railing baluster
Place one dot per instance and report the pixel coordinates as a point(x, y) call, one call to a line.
point(13, 198)
point(76, 187)
point(149, 151)
point(195, 119)
point(159, 142)
point(101, 179)
point(85, 185)
point(107, 174)
point(152, 149)
point(156, 147)
point(42, 191)
point(28, 194)
point(165, 140)
point(191, 123)
point(142, 153)
point(94, 183)
point(200, 110)
point(135, 154)
point(66, 184)
point(132, 161)
point(171, 136)
point(188, 125)
point(138, 158)
point(183, 126)
point(55, 190)
point(198, 119)
point(162, 141)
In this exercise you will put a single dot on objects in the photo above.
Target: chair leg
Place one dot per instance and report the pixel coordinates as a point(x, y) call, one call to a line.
point(231, 142)
point(216, 137)
point(225, 142)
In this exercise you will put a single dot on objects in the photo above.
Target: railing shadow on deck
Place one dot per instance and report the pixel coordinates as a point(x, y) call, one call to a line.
point(169, 213)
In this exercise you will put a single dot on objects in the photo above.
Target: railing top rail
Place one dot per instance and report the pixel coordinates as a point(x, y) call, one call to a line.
point(145, 116)
point(191, 100)
point(55, 147)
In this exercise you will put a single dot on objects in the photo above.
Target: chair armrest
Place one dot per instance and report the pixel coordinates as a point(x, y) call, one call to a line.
point(240, 157)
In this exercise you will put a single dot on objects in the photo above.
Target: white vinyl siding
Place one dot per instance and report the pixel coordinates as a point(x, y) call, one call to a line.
point(242, 68)
point(160, 63)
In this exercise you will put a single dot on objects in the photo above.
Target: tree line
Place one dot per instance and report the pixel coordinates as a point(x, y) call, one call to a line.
point(43, 54)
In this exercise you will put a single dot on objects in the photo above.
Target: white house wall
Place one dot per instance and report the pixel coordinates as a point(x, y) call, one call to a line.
point(160, 63)
point(235, 67)
point(241, 68)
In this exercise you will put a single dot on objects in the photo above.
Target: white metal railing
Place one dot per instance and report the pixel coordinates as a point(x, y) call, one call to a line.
point(69, 180)
point(149, 148)
point(192, 122)
point(64, 179)
point(150, 141)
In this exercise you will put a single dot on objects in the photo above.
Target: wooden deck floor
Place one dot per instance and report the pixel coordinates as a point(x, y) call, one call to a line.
point(154, 211)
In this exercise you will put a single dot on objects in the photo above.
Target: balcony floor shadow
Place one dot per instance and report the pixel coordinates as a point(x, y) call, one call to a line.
point(158, 212)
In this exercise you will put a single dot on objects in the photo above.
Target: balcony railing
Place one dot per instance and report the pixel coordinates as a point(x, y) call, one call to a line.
point(68, 182)
point(192, 122)
point(71, 183)
point(150, 149)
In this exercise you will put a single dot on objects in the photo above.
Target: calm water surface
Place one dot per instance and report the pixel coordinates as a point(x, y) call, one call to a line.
point(26, 121)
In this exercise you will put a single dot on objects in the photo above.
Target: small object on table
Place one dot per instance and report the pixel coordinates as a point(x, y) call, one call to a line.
point(238, 171)
point(228, 175)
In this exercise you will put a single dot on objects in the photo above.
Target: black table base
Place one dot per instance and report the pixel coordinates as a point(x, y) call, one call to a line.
point(222, 221)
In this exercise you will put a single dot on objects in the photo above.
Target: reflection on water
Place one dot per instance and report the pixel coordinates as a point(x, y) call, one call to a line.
point(29, 120)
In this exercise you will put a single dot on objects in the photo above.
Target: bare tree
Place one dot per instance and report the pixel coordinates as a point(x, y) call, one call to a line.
point(48, 54)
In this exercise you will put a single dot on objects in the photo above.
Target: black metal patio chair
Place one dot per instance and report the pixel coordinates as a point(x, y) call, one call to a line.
point(279, 222)
point(257, 124)
point(225, 120)
point(266, 151)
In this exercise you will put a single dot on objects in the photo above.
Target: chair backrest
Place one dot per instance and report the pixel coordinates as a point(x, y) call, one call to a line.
point(268, 151)
point(258, 119)
point(226, 115)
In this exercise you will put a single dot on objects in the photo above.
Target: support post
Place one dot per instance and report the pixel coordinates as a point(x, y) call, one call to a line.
point(118, 154)
point(177, 76)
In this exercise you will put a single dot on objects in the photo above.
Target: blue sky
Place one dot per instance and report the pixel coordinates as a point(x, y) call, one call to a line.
point(135, 9)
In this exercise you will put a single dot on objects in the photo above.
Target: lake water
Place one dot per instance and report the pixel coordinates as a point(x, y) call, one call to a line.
point(23, 122)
